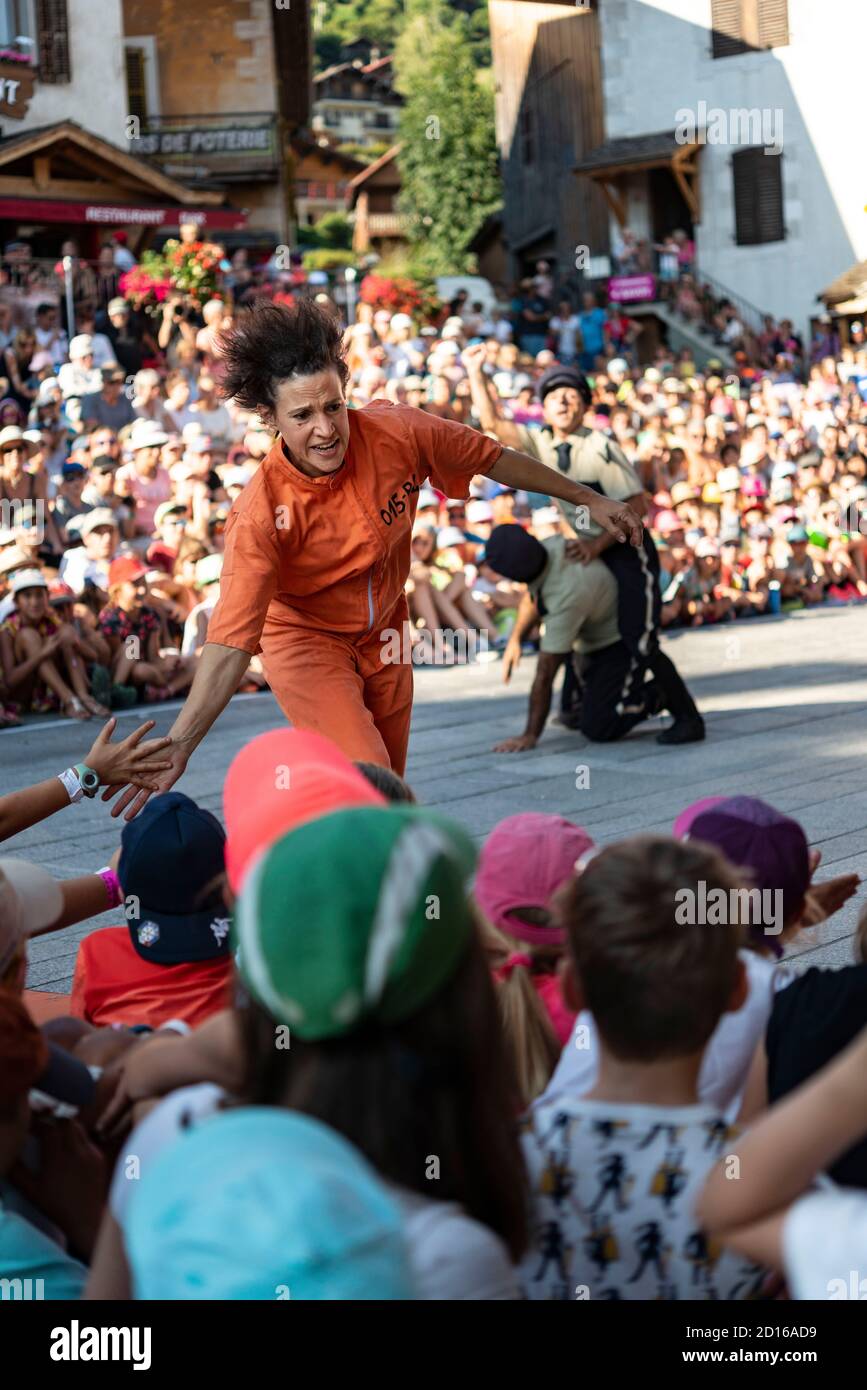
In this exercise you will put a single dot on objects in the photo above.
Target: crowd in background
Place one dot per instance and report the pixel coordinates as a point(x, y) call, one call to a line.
point(119, 462)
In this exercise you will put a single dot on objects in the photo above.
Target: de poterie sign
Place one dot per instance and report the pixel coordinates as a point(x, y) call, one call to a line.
point(17, 81)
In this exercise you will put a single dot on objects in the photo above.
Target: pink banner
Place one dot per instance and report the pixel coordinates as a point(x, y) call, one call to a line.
point(631, 289)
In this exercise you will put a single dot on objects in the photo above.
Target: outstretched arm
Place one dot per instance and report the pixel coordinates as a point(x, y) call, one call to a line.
point(218, 676)
point(522, 472)
point(540, 703)
point(490, 421)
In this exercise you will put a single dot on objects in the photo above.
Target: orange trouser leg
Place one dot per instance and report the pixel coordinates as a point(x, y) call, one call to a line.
point(326, 683)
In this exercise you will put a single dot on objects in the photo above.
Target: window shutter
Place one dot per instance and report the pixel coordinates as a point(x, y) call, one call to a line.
point(773, 23)
point(758, 189)
point(52, 41)
point(135, 83)
point(728, 29)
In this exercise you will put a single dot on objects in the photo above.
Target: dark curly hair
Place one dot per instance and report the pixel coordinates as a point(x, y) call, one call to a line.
point(270, 342)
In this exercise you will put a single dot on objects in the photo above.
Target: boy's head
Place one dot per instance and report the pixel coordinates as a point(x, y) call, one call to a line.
point(171, 873)
point(390, 784)
point(656, 978)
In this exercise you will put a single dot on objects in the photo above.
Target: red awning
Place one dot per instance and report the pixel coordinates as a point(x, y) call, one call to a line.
point(118, 215)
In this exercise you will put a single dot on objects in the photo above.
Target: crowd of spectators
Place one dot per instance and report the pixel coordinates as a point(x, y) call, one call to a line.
point(119, 462)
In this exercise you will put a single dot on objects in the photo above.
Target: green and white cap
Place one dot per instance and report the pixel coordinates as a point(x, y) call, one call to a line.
point(360, 914)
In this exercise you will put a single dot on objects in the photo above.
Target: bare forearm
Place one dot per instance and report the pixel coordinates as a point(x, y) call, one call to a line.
point(484, 408)
point(526, 474)
point(540, 695)
point(798, 1138)
point(83, 897)
point(528, 614)
point(218, 675)
point(22, 809)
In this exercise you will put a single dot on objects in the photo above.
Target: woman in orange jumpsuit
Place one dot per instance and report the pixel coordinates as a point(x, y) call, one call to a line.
point(318, 544)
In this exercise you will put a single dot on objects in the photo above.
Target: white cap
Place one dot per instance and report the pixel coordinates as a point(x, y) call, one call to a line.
point(146, 434)
point(546, 516)
point(729, 480)
point(209, 569)
point(100, 516)
point(450, 535)
point(81, 345)
point(479, 510)
point(428, 498)
point(28, 579)
point(401, 321)
point(618, 364)
point(236, 477)
point(30, 899)
point(706, 549)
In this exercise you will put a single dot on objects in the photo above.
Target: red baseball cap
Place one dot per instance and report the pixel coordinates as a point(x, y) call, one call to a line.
point(523, 862)
point(126, 569)
point(279, 781)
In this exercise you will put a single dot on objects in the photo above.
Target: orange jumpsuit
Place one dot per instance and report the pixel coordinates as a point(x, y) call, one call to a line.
point(314, 573)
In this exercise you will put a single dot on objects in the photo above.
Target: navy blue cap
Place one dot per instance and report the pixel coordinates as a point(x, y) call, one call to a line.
point(564, 376)
point(171, 854)
point(73, 470)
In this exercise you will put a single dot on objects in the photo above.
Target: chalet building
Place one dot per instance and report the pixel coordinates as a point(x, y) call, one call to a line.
point(355, 102)
point(65, 179)
point(321, 177)
point(372, 200)
point(734, 120)
point(219, 96)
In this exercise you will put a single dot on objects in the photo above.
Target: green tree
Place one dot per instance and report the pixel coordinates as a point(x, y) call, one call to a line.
point(448, 164)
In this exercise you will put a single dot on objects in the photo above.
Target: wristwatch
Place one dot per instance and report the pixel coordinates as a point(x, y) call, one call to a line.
point(80, 781)
point(88, 778)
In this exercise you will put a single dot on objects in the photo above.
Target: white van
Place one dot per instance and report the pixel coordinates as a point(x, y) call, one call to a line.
point(478, 290)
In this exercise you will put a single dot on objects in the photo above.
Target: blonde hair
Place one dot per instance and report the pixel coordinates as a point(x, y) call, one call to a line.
point(527, 1027)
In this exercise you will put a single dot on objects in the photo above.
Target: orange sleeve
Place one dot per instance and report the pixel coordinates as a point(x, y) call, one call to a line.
point(248, 582)
point(448, 453)
point(77, 998)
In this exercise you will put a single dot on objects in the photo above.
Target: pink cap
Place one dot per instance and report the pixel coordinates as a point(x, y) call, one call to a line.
point(667, 522)
point(280, 780)
point(754, 487)
point(683, 824)
point(523, 862)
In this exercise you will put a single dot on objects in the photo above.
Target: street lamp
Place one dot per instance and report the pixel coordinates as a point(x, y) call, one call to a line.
point(349, 276)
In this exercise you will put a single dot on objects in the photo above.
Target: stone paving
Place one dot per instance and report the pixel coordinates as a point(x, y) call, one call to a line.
point(786, 706)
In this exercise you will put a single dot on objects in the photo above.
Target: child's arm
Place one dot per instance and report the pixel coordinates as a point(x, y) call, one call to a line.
point(110, 761)
point(163, 1064)
point(782, 1154)
point(754, 1101)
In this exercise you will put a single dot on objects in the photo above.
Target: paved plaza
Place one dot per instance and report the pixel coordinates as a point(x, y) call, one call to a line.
point(785, 702)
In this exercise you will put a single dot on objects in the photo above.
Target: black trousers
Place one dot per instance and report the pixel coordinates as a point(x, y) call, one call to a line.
point(639, 604)
point(604, 675)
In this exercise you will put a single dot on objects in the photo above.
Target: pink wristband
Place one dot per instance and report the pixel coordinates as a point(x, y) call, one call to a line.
point(112, 887)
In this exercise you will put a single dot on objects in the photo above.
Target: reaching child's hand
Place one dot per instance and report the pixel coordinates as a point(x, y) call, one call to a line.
point(70, 1185)
point(131, 760)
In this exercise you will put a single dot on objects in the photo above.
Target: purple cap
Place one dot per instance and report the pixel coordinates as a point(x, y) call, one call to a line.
point(683, 824)
point(752, 835)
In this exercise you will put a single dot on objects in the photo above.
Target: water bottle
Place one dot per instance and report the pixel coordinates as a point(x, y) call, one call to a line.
point(774, 600)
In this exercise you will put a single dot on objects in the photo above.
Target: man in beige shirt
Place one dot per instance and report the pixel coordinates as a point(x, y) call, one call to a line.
point(579, 606)
point(590, 457)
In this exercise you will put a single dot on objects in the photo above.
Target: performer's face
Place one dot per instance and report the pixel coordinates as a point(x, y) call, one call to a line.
point(563, 408)
point(311, 415)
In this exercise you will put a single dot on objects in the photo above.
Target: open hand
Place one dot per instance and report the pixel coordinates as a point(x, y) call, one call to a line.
point(617, 518)
point(130, 760)
point(522, 744)
point(581, 550)
point(136, 795)
point(511, 658)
